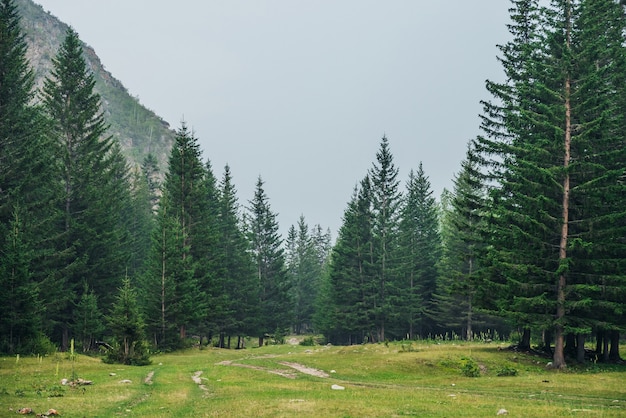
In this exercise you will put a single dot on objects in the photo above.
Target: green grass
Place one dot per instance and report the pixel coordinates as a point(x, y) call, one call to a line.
point(395, 380)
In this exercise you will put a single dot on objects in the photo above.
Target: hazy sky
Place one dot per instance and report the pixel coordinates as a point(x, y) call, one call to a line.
point(300, 92)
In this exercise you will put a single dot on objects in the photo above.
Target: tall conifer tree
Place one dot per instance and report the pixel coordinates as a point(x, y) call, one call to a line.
point(418, 253)
point(556, 143)
point(186, 204)
point(386, 200)
point(269, 259)
point(27, 182)
point(346, 307)
point(91, 237)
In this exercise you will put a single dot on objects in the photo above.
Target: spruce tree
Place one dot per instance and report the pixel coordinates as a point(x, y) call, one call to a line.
point(419, 250)
point(19, 300)
point(88, 320)
point(557, 138)
point(91, 237)
point(27, 183)
point(464, 229)
point(186, 204)
point(166, 268)
point(385, 205)
point(237, 294)
point(127, 326)
point(269, 260)
point(305, 270)
point(345, 311)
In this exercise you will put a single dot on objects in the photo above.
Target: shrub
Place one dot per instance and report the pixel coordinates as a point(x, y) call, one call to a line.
point(469, 368)
point(507, 371)
point(308, 342)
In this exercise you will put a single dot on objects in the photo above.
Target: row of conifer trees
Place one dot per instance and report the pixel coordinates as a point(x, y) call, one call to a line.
point(532, 238)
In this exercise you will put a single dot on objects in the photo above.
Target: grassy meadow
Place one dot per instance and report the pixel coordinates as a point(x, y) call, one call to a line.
point(421, 379)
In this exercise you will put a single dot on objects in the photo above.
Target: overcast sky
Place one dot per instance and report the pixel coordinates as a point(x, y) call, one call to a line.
point(301, 92)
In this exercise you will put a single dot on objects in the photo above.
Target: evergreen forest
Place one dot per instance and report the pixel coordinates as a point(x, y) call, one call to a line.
point(530, 243)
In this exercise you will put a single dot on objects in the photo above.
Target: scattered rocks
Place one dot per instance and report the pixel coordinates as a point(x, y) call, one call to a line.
point(503, 412)
point(198, 381)
point(196, 378)
point(77, 382)
point(337, 387)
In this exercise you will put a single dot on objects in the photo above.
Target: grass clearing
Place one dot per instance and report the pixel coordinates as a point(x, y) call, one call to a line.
point(380, 380)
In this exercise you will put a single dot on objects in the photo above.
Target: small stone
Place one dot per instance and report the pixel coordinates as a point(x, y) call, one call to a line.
point(64, 382)
point(125, 381)
point(25, 411)
point(333, 371)
point(112, 374)
point(503, 412)
point(337, 387)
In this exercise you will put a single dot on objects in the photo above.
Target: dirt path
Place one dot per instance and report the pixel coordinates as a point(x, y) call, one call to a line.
point(304, 369)
point(198, 381)
point(148, 379)
point(284, 373)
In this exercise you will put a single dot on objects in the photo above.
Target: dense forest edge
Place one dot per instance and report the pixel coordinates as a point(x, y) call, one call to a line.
point(103, 248)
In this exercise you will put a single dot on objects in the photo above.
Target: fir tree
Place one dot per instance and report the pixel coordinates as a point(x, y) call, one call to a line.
point(385, 206)
point(236, 296)
point(88, 319)
point(27, 183)
point(305, 269)
point(419, 252)
point(186, 203)
point(269, 260)
point(557, 143)
point(345, 311)
point(126, 324)
point(91, 238)
point(20, 312)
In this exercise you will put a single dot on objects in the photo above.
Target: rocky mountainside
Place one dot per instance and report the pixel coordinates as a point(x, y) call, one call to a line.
point(139, 130)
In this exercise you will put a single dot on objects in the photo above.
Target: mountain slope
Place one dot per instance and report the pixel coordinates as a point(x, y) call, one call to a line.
point(139, 130)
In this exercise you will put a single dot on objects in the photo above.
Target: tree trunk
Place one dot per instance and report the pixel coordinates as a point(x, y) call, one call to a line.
point(559, 356)
point(605, 348)
point(524, 343)
point(570, 344)
point(580, 348)
point(599, 338)
point(614, 353)
point(65, 338)
point(547, 342)
point(469, 335)
point(260, 341)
